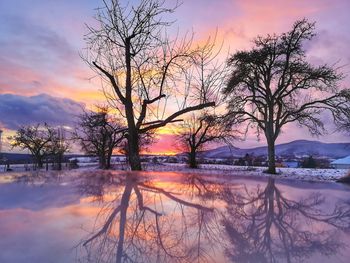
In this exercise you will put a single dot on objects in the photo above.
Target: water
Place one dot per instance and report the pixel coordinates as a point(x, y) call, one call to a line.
point(96, 216)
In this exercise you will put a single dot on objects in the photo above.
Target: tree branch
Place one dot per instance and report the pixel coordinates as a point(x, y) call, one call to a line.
point(173, 116)
point(112, 80)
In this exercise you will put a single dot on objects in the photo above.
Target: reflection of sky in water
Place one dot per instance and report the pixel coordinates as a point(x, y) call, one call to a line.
point(170, 218)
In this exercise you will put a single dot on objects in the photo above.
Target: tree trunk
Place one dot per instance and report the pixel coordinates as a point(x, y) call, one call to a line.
point(109, 156)
point(108, 162)
point(133, 136)
point(134, 154)
point(59, 162)
point(271, 156)
point(102, 161)
point(39, 161)
point(192, 159)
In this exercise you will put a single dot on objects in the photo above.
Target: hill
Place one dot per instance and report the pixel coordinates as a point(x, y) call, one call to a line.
point(297, 148)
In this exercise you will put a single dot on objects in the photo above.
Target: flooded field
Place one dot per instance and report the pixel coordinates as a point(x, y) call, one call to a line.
point(104, 216)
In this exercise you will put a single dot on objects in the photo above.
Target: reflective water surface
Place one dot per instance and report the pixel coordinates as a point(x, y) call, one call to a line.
point(103, 216)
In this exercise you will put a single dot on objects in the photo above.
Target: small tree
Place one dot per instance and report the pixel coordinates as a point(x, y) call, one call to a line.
point(273, 85)
point(196, 133)
point(309, 162)
point(133, 54)
point(207, 76)
point(36, 139)
point(57, 147)
point(98, 134)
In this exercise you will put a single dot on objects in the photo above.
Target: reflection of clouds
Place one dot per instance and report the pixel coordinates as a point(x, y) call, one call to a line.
point(36, 197)
point(169, 217)
point(46, 235)
point(149, 221)
point(171, 220)
point(40, 221)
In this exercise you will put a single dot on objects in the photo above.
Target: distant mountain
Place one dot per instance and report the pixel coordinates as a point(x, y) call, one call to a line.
point(297, 148)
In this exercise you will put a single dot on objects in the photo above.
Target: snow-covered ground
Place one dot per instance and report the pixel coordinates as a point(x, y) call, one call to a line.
point(230, 170)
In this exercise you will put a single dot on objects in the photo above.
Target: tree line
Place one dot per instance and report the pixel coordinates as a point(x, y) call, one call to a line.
point(151, 80)
point(43, 142)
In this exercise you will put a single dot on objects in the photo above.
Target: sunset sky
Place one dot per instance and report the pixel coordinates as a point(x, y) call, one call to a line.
point(43, 78)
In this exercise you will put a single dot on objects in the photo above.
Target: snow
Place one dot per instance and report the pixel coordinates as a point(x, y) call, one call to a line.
point(345, 160)
point(306, 174)
point(84, 159)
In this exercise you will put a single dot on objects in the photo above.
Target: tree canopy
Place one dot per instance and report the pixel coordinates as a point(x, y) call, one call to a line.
point(273, 84)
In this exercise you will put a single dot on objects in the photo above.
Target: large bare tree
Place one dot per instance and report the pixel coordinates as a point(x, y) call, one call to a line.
point(342, 122)
point(133, 53)
point(273, 85)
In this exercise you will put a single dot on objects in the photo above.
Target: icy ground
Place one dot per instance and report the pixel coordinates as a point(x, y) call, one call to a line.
point(329, 175)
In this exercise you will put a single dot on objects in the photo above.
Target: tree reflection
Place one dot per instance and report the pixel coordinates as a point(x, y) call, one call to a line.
point(264, 225)
point(196, 218)
point(141, 221)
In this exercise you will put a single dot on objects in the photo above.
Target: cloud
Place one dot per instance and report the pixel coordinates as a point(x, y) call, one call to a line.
point(17, 110)
point(38, 59)
point(34, 45)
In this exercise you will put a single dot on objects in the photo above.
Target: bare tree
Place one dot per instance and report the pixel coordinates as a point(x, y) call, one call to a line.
point(273, 85)
point(99, 133)
point(36, 139)
point(196, 133)
point(57, 147)
point(133, 54)
point(207, 76)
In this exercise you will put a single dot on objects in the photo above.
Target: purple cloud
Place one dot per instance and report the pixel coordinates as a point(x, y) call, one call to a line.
point(16, 110)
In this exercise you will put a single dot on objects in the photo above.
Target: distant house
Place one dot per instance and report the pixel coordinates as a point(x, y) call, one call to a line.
point(343, 163)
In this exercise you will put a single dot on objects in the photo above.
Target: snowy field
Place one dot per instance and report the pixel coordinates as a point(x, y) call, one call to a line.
point(230, 170)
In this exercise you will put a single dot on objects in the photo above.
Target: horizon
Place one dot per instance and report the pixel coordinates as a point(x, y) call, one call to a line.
point(144, 153)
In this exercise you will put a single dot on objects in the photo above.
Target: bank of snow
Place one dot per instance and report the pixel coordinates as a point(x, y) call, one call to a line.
point(230, 170)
